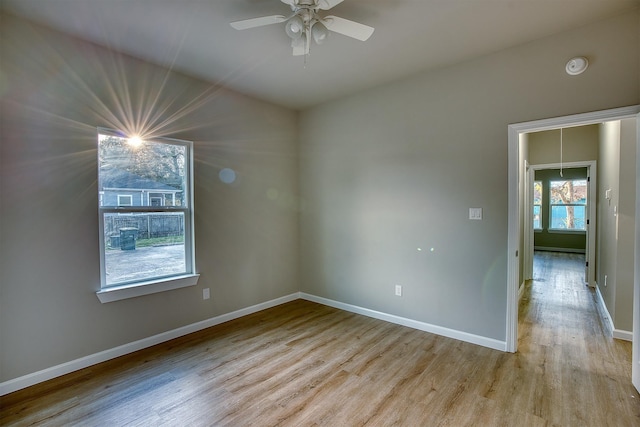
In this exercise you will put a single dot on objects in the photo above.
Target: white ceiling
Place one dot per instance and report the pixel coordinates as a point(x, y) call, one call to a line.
point(194, 36)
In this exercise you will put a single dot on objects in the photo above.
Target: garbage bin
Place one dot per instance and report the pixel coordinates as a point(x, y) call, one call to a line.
point(115, 241)
point(128, 236)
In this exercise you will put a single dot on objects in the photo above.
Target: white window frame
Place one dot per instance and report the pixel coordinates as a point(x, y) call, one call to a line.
point(147, 287)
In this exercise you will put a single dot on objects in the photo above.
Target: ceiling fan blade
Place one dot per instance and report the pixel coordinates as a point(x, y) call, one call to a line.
point(348, 28)
point(258, 22)
point(291, 3)
point(327, 4)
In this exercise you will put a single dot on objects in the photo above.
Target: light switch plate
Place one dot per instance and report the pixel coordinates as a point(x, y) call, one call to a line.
point(475, 213)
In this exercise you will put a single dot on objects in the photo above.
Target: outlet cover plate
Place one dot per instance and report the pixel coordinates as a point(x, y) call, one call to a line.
point(475, 213)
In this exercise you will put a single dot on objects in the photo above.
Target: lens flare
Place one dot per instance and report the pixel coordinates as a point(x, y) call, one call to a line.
point(135, 141)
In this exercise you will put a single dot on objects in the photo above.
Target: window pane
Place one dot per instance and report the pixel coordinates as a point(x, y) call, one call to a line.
point(579, 194)
point(144, 174)
point(143, 246)
point(558, 192)
point(537, 219)
point(568, 217)
point(537, 192)
point(568, 192)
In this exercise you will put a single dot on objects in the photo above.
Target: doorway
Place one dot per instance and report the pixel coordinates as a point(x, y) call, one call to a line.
point(548, 229)
point(516, 136)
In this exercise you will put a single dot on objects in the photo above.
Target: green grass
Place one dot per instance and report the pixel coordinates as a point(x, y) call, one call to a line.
point(156, 241)
point(160, 241)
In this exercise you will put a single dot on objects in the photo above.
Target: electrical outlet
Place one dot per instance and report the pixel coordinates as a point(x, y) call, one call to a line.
point(206, 294)
point(475, 213)
point(605, 280)
point(398, 290)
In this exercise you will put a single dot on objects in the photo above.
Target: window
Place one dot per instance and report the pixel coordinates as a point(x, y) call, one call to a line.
point(146, 232)
point(568, 204)
point(125, 200)
point(537, 205)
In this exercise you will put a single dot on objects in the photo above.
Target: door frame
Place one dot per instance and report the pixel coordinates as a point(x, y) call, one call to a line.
point(590, 244)
point(514, 245)
point(635, 356)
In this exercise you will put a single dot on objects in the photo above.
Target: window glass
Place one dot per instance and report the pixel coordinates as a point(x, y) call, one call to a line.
point(568, 200)
point(537, 205)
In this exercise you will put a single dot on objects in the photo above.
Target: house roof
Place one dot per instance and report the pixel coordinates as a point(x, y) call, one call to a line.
point(116, 178)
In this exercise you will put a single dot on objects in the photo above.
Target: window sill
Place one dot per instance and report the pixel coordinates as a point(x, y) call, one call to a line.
point(565, 231)
point(117, 293)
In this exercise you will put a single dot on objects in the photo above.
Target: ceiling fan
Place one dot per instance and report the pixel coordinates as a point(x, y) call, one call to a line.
point(305, 23)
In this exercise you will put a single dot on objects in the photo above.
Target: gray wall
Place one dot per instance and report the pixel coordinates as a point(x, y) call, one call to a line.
point(579, 144)
point(55, 92)
point(381, 174)
point(616, 220)
point(397, 167)
point(626, 226)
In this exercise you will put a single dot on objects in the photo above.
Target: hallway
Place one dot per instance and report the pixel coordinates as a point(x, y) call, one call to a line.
point(578, 362)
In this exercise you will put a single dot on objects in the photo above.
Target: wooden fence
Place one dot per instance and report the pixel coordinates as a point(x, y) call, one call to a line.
point(148, 225)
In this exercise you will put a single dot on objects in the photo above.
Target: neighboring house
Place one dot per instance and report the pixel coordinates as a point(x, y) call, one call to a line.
point(122, 188)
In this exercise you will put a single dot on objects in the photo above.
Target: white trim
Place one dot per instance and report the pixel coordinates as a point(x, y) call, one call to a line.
point(422, 326)
point(521, 290)
point(93, 359)
point(623, 335)
point(153, 284)
point(635, 326)
point(513, 239)
point(605, 310)
point(138, 289)
point(616, 333)
point(591, 212)
point(552, 249)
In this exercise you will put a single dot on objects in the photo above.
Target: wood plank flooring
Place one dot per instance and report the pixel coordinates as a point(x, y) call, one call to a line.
point(304, 364)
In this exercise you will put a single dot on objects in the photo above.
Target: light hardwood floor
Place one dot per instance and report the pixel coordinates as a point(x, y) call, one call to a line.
point(304, 364)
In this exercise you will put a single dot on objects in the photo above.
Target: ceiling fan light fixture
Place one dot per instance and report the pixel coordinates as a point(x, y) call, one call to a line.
point(319, 32)
point(294, 27)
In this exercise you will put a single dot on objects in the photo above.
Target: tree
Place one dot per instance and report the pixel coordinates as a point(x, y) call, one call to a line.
point(157, 161)
point(569, 193)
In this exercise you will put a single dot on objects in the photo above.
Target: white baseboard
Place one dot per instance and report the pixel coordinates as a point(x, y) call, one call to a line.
point(427, 327)
point(617, 333)
point(605, 310)
point(623, 335)
point(552, 249)
point(93, 359)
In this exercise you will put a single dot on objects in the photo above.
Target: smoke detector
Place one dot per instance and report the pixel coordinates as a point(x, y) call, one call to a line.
point(577, 65)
